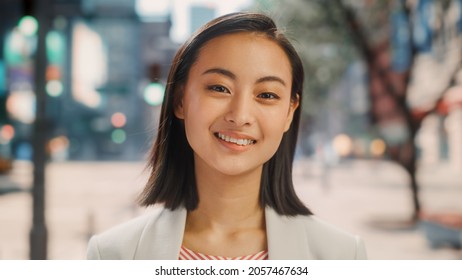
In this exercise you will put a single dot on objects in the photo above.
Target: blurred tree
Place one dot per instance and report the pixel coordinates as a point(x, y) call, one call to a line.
point(394, 39)
point(417, 30)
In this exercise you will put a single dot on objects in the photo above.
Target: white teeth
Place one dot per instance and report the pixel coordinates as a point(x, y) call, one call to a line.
point(240, 142)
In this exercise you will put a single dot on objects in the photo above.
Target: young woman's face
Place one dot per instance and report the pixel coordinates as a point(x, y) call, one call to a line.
point(236, 103)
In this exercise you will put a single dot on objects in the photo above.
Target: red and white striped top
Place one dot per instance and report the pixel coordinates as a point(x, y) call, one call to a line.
point(187, 254)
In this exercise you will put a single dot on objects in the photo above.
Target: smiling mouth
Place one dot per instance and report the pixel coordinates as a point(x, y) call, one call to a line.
point(240, 142)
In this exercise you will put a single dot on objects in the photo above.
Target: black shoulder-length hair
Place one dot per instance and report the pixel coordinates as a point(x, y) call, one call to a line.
point(171, 163)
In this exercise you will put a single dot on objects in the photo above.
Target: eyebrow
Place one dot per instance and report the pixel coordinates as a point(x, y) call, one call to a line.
point(221, 71)
point(232, 76)
point(271, 79)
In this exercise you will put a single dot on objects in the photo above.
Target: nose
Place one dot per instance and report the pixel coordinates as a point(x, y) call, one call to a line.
point(241, 111)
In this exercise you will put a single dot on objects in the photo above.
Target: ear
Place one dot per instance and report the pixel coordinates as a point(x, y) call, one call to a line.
point(178, 106)
point(178, 110)
point(294, 103)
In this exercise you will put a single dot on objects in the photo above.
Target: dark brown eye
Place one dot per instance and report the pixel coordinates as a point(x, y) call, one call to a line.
point(268, 95)
point(218, 88)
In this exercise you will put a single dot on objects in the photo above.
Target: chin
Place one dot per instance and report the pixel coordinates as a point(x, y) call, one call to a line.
point(239, 170)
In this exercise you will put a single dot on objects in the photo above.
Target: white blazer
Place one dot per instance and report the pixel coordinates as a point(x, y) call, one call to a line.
point(159, 235)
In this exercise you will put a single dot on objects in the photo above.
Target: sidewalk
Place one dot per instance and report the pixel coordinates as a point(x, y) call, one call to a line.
point(357, 195)
point(7, 186)
point(88, 197)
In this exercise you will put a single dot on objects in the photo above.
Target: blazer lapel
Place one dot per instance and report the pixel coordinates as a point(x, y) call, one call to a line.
point(162, 237)
point(286, 236)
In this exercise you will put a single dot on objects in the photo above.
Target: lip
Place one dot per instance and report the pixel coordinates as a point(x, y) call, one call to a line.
point(236, 135)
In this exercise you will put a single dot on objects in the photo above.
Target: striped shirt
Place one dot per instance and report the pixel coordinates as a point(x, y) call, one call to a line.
point(187, 254)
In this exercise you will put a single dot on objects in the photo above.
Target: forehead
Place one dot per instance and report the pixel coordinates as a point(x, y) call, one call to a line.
point(249, 52)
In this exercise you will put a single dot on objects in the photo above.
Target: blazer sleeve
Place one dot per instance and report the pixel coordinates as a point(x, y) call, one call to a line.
point(360, 249)
point(327, 242)
point(93, 249)
point(118, 243)
point(122, 241)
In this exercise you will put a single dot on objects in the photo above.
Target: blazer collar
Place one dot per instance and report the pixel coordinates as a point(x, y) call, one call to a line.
point(162, 236)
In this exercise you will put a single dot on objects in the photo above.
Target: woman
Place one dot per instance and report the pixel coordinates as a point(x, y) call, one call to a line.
point(221, 166)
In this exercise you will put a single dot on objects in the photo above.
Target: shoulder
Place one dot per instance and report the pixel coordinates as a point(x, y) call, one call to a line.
point(308, 237)
point(121, 242)
point(330, 242)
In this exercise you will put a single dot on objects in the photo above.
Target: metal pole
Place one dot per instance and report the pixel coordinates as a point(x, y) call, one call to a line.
point(38, 233)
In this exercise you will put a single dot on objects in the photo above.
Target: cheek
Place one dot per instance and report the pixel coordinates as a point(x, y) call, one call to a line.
point(273, 128)
point(197, 124)
point(274, 120)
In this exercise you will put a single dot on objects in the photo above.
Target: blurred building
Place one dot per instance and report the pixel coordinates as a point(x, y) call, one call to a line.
point(200, 14)
point(101, 57)
point(11, 69)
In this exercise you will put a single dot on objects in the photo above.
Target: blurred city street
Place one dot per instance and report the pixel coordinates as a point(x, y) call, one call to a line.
point(84, 198)
point(82, 84)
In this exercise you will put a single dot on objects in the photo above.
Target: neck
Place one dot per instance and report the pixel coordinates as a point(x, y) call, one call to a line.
point(228, 203)
point(229, 220)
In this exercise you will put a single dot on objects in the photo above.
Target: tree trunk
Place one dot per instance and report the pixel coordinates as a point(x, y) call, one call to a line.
point(387, 85)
